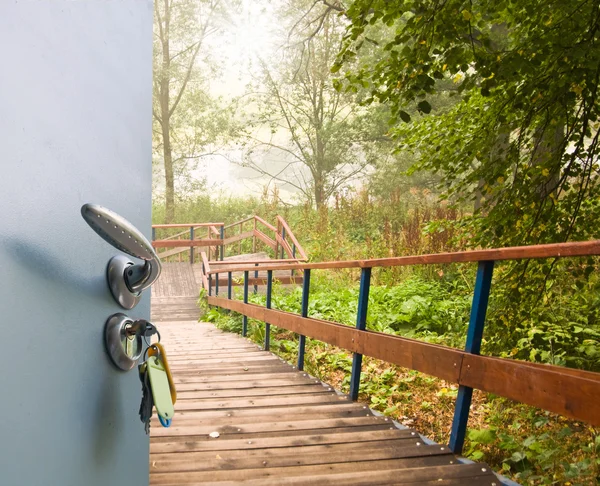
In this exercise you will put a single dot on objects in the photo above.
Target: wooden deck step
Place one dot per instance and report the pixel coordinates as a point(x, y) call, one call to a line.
point(279, 426)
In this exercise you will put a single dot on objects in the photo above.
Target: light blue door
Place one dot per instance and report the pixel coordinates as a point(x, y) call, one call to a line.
point(75, 127)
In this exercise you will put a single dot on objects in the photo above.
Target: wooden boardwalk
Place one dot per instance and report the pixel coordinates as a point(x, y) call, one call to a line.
point(278, 426)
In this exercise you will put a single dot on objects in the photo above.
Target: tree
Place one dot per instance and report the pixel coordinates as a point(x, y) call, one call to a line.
point(525, 131)
point(187, 119)
point(321, 133)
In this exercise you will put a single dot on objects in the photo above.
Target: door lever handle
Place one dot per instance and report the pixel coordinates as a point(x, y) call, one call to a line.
point(126, 279)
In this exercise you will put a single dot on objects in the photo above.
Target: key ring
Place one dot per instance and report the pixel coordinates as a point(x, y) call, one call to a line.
point(164, 422)
point(146, 339)
point(145, 357)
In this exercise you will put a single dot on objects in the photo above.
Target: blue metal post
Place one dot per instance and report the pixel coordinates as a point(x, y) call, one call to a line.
point(267, 325)
point(153, 234)
point(481, 294)
point(255, 276)
point(293, 255)
point(361, 324)
point(229, 280)
point(191, 247)
point(302, 338)
point(222, 244)
point(283, 238)
point(245, 319)
point(209, 284)
point(217, 284)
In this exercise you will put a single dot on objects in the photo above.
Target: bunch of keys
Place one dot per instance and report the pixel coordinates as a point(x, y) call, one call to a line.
point(158, 388)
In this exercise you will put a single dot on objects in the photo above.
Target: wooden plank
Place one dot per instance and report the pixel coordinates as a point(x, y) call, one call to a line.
point(182, 243)
point(452, 476)
point(290, 233)
point(552, 388)
point(253, 392)
point(233, 403)
point(200, 444)
point(214, 230)
point(233, 239)
point(428, 358)
point(555, 250)
point(306, 471)
point(186, 225)
point(265, 239)
point(199, 461)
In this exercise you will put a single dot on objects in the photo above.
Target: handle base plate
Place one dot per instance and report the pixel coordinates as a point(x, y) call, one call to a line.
point(115, 274)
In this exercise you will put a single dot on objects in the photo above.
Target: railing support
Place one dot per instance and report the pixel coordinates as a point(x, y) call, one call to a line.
point(293, 255)
point(217, 284)
point(302, 338)
point(255, 276)
point(361, 324)
point(267, 325)
point(229, 284)
point(222, 244)
point(245, 318)
point(153, 234)
point(462, 407)
point(191, 247)
point(209, 284)
point(282, 239)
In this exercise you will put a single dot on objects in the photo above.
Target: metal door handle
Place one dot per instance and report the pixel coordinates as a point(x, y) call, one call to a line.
point(126, 279)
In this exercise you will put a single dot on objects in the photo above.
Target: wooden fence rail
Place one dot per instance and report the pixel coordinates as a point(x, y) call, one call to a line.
point(569, 392)
point(216, 238)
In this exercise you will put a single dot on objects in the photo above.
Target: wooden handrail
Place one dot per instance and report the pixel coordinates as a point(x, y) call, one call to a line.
point(248, 262)
point(249, 218)
point(206, 269)
point(265, 239)
point(268, 225)
point(284, 244)
point(290, 233)
point(572, 393)
point(186, 225)
point(214, 230)
point(181, 243)
point(580, 248)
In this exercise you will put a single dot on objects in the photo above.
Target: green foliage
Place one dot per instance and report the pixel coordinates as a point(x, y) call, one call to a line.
point(522, 139)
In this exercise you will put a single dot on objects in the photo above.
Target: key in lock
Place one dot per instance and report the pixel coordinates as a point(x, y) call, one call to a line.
point(123, 345)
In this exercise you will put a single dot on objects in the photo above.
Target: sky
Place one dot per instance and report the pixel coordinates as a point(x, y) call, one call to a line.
point(254, 31)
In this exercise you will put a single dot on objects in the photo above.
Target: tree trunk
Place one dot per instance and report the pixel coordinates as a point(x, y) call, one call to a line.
point(166, 121)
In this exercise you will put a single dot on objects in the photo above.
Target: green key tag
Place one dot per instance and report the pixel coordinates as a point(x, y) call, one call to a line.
point(161, 392)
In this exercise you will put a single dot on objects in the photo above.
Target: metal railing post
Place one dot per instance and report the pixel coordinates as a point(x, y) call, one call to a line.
point(153, 234)
point(282, 239)
point(302, 338)
point(293, 255)
point(217, 284)
point(191, 247)
point(209, 284)
point(361, 324)
point(229, 280)
point(481, 295)
point(222, 242)
point(256, 277)
point(267, 325)
point(245, 319)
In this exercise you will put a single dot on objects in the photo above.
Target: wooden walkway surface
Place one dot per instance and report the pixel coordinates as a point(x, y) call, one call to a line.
point(278, 426)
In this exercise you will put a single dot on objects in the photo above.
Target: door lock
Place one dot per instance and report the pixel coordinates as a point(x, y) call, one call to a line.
point(126, 279)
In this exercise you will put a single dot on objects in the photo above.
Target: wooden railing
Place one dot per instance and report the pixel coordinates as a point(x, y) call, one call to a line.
point(565, 391)
point(276, 239)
